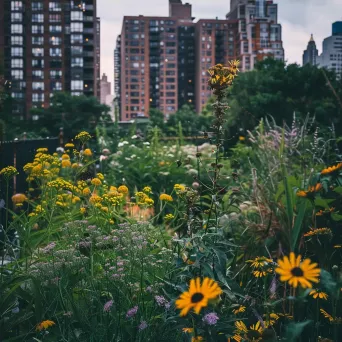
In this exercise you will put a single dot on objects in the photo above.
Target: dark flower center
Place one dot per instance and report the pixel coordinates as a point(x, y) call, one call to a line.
point(297, 272)
point(196, 297)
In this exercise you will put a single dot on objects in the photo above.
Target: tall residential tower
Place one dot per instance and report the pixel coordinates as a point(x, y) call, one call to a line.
point(48, 46)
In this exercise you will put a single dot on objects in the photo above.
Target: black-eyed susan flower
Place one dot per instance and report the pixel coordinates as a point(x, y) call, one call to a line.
point(45, 325)
point(318, 231)
point(296, 272)
point(270, 319)
point(326, 315)
point(243, 333)
point(318, 294)
point(260, 262)
point(240, 309)
point(198, 295)
point(311, 192)
point(166, 198)
point(331, 169)
point(261, 273)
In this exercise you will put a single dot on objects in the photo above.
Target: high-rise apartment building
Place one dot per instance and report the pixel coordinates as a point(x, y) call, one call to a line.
point(98, 57)
point(311, 53)
point(162, 62)
point(331, 56)
point(105, 87)
point(259, 33)
point(47, 46)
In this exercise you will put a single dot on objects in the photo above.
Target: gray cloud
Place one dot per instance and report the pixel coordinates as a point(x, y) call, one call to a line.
point(299, 19)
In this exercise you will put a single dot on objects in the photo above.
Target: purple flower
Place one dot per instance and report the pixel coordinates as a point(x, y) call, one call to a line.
point(210, 318)
point(108, 306)
point(142, 326)
point(132, 312)
point(49, 247)
point(149, 289)
point(161, 301)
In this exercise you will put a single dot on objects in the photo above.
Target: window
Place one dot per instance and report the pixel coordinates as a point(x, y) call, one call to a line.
point(76, 27)
point(37, 97)
point(56, 86)
point(76, 39)
point(76, 62)
point(54, 18)
point(17, 63)
point(17, 40)
point(55, 28)
point(37, 18)
point(15, 17)
point(38, 52)
point(38, 85)
point(17, 95)
point(16, 52)
point(55, 40)
point(76, 50)
point(56, 74)
point(16, 5)
point(37, 74)
point(37, 63)
point(37, 6)
point(38, 29)
point(37, 40)
point(16, 28)
point(55, 7)
point(77, 15)
point(76, 85)
point(56, 52)
point(17, 74)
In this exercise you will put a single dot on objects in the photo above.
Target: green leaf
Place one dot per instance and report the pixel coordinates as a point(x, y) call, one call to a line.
point(294, 330)
point(298, 223)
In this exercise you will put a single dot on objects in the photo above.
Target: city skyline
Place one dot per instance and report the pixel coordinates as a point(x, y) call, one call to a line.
point(296, 19)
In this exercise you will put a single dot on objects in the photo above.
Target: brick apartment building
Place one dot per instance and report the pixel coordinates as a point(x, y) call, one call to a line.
point(162, 62)
point(48, 46)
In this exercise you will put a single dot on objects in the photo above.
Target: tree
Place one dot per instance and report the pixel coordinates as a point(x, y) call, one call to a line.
point(73, 113)
point(279, 90)
point(156, 118)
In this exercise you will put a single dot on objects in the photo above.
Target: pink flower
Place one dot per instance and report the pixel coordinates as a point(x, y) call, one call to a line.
point(107, 306)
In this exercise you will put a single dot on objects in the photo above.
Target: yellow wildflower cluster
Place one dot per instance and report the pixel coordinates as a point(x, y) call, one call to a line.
point(69, 145)
point(166, 198)
point(19, 199)
point(318, 231)
point(8, 172)
point(169, 217)
point(222, 77)
point(37, 211)
point(147, 189)
point(179, 188)
point(142, 199)
point(62, 184)
point(311, 192)
point(83, 136)
point(42, 150)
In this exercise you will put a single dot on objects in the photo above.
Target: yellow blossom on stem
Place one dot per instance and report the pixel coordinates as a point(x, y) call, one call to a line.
point(45, 325)
point(166, 198)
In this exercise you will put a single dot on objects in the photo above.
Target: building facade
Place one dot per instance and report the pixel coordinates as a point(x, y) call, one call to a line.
point(47, 46)
point(162, 62)
point(331, 56)
point(311, 53)
point(105, 87)
point(98, 58)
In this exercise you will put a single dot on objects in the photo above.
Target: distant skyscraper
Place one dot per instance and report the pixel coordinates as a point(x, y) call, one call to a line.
point(105, 88)
point(311, 53)
point(162, 62)
point(331, 56)
point(47, 46)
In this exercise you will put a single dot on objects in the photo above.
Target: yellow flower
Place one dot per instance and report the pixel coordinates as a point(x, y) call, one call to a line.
point(69, 145)
point(272, 319)
point(66, 163)
point(311, 192)
point(45, 325)
point(188, 330)
point(96, 181)
point(123, 189)
point(95, 199)
point(8, 172)
point(318, 294)
point(86, 192)
point(166, 198)
point(222, 77)
point(242, 138)
point(42, 150)
point(327, 315)
point(19, 199)
point(169, 217)
point(65, 157)
point(83, 136)
point(100, 176)
point(295, 272)
point(105, 209)
point(149, 201)
point(198, 295)
point(179, 188)
point(240, 309)
point(260, 262)
point(331, 169)
point(259, 274)
point(112, 188)
point(111, 221)
point(338, 246)
point(75, 199)
point(75, 165)
point(147, 190)
point(197, 338)
point(87, 152)
point(83, 210)
point(318, 231)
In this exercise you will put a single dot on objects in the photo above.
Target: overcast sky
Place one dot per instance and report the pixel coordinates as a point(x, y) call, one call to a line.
point(299, 18)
